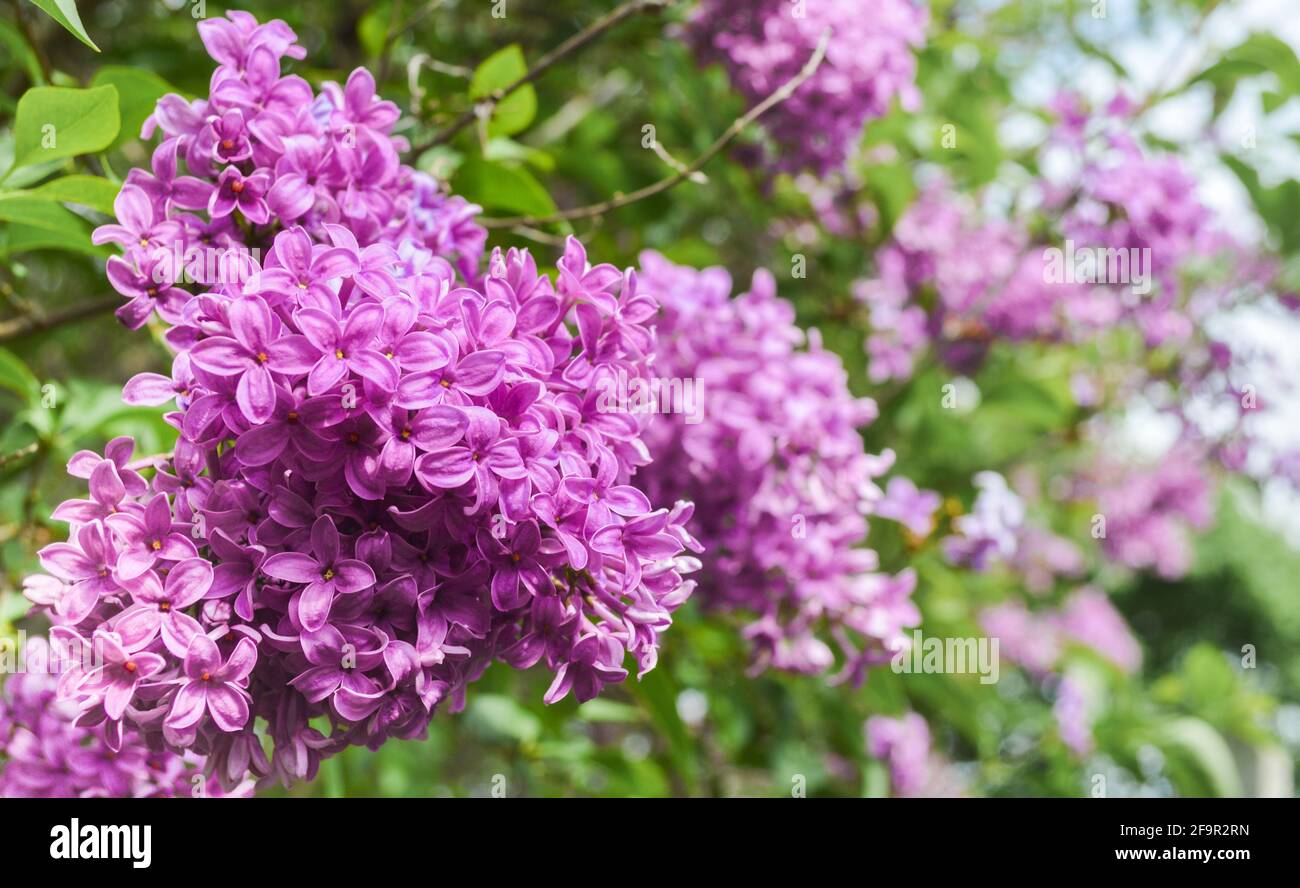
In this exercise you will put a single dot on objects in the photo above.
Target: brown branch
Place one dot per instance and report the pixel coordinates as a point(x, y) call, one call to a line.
point(685, 172)
point(484, 107)
point(390, 34)
point(20, 453)
point(17, 327)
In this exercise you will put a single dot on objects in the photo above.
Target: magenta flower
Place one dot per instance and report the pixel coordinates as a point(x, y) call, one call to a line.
point(235, 192)
point(167, 189)
point(471, 376)
point(212, 687)
point(225, 139)
point(323, 572)
point(338, 670)
point(140, 225)
point(485, 457)
point(519, 574)
point(160, 606)
point(909, 506)
point(252, 352)
point(386, 447)
point(594, 662)
point(146, 538)
point(303, 267)
point(122, 671)
point(107, 491)
point(149, 287)
point(345, 348)
point(87, 565)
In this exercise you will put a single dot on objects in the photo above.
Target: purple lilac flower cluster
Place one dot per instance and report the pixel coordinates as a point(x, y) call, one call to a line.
point(869, 61)
point(1107, 200)
point(386, 478)
point(777, 470)
point(1037, 640)
point(915, 771)
point(1149, 512)
point(263, 154)
point(987, 282)
point(47, 756)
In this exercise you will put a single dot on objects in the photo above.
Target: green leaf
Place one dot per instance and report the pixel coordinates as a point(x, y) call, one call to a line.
point(496, 716)
point(88, 191)
point(1205, 749)
point(500, 187)
point(602, 710)
point(510, 150)
point(15, 376)
point(65, 13)
point(138, 91)
point(517, 110)
point(18, 49)
point(1275, 205)
point(39, 212)
point(18, 238)
point(1257, 54)
point(54, 122)
point(372, 29)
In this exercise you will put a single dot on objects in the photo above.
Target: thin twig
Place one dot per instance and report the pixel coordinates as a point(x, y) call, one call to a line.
point(21, 452)
point(484, 107)
point(737, 126)
point(538, 235)
point(424, 60)
point(1161, 89)
point(17, 327)
point(673, 163)
point(390, 34)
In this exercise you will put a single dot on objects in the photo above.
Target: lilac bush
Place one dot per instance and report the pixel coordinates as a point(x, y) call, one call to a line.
point(776, 468)
point(393, 468)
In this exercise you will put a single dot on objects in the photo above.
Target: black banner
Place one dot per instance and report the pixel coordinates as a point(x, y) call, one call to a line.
point(323, 837)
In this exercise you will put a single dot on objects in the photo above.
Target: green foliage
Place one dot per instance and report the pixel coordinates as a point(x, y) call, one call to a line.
point(54, 122)
point(137, 91)
point(498, 71)
point(65, 13)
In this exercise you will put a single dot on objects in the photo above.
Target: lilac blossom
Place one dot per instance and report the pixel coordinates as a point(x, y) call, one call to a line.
point(903, 743)
point(989, 532)
point(388, 467)
point(869, 63)
point(44, 753)
point(913, 508)
point(777, 471)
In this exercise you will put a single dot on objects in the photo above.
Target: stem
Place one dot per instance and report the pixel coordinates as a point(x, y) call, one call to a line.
point(17, 327)
point(565, 49)
point(685, 172)
point(390, 34)
point(20, 453)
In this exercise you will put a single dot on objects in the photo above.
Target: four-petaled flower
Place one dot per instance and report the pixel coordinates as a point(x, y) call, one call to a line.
point(323, 572)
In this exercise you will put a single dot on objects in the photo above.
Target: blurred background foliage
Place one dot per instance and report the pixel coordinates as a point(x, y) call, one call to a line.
point(1193, 721)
